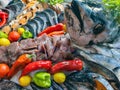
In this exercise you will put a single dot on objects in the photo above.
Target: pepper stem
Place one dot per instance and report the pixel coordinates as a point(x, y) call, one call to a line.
point(31, 55)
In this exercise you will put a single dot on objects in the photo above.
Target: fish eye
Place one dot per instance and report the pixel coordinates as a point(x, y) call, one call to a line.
point(91, 42)
point(98, 29)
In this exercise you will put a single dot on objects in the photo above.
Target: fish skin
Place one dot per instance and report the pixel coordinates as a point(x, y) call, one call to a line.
point(107, 51)
point(89, 77)
point(70, 86)
point(4, 3)
point(105, 72)
point(54, 86)
point(102, 80)
point(106, 61)
point(9, 85)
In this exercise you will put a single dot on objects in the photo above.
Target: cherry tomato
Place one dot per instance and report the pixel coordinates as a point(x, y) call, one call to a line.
point(4, 69)
point(13, 36)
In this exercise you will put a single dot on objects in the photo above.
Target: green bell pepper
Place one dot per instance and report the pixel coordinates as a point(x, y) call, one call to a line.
point(42, 79)
point(27, 34)
point(3, 35)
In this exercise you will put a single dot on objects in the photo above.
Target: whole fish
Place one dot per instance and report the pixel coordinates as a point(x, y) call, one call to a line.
point(95, 34)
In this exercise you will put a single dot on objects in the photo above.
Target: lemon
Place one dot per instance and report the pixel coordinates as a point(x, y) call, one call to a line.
point(25, 80)
point(59, 77)
point(4, 42)
point(21, 30)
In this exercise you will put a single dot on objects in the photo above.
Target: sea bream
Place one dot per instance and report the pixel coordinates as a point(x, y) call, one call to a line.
point(94, 34)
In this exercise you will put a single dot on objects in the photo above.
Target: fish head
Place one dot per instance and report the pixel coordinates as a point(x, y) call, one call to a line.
point(85, 22)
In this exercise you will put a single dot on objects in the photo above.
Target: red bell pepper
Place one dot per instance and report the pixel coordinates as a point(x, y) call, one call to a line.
point(3, 18)
point(69, 65)
point(41, 64)
point(57, 27)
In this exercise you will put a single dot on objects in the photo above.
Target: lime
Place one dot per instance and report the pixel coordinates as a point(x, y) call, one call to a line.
point(25, 80)
point(59, 77)
point(4, 42)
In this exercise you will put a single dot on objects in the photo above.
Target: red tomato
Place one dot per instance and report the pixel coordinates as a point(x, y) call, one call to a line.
point(4, 69)
point(13, 36)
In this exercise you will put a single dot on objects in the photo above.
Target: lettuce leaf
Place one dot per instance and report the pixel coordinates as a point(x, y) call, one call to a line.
point(113, 7)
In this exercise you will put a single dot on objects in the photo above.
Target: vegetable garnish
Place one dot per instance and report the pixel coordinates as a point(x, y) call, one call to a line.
point(27, 34)
point(3, 18)
point(59, 77)
point(54, 28)
point(4, 69)
point(113, 7)
point(42, 79)
point(68, 65)
point(25, 80)
point(19, 64)
point(41, 64)
point(13, 36)
point(3, 35)
point(52, 2)
point(21, 30)
point(4, 42)
point(56, 33)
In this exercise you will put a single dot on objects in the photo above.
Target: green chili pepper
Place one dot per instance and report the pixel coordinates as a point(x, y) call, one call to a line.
point(42, 79)
point(27, 34)
point(3, 35)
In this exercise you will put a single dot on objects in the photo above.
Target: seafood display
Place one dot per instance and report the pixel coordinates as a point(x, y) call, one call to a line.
point(58, 45)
